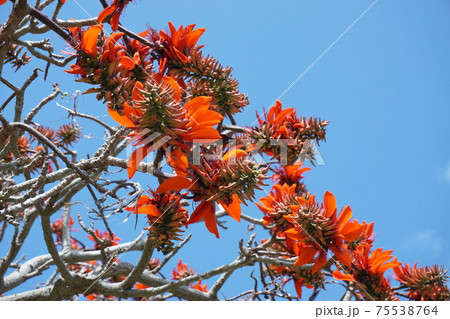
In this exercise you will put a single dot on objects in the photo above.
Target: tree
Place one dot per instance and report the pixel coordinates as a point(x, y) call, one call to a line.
point(173, 101)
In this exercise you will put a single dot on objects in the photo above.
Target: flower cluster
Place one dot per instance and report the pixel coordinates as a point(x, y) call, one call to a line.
point(23, 146)
point(183, 271)
point(29, 145)
point(175, 101)
point(367, 270)
point(281, 130)
point(113, 66)
point(13, 56)
point(164, 121)
point(179, 56)
point(166, 217)
point(57, 227)
point(424, 283)
point(104, 239)
point(229, 181)
point(311, 231)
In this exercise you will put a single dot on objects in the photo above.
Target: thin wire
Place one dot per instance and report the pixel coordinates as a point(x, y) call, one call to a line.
point(327, 49)
point(82, 8)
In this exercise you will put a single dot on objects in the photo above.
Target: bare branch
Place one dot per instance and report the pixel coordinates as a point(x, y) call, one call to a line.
point(48, 237)
point(65, 238)
point(19, 11)
point(140, 266)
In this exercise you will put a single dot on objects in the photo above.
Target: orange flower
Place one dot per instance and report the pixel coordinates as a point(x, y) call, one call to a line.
point(138, 285)
point(174, 122)
point(218, 181)
point(178, 160)
point(368, 271)
point(325, 229)
point(177, 43)
point(98, 297)
point(182, 271)
point(89, 41)
point(91, 297)
point(165, 216)
point(377, 263)
point(278, 204)
point(179, 56)
point(198, 286)
point(201, 121)
point(23, 144)
point(57, 227)
point(127, 116)
point(306, 278)
point(302, 277)
point(374, 265)
point(366, 236)
point(115, 9)
point(310, 229)
point(285, 126)
point(103, 61)
point(106, 239)
point(309, 253)
point(291, 174)
point(424, 283)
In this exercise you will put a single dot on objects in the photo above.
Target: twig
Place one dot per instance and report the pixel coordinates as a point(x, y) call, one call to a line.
point(43, 139)
point(89, 117)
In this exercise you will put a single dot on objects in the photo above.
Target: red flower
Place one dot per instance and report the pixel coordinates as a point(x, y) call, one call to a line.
point(278, 204)
point(115, 9)
point(182, 271)
point(424, 283)
point(291, 174)
point(175, 122)
point(368, 271)
point(103, 61)
point(106, 239)
point(330, 231)
point(138, 285)
point(285, 126)
point(57, 227)
point(165, 216)
point(89, 41)
point(218, 181)
point(198, 286)
point(374, 265)
point(177, 44)
point(98, 297)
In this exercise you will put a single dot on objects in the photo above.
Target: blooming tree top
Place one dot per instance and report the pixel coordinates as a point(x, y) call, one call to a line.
point(171, 99)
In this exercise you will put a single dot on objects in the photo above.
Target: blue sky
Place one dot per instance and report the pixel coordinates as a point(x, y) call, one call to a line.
point(384, 87)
